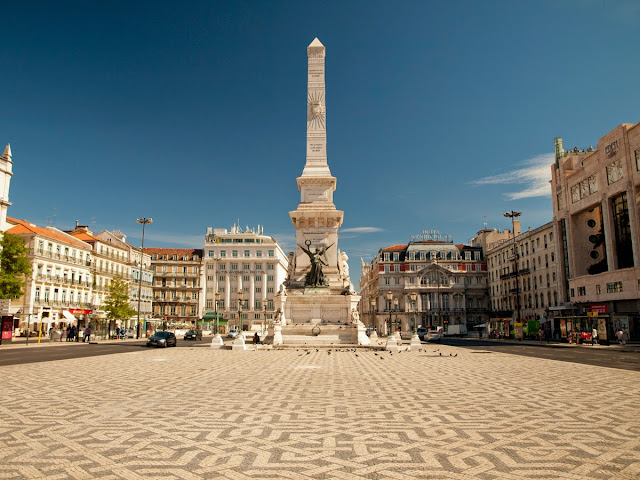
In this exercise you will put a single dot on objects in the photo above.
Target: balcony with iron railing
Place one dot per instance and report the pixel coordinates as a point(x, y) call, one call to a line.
point(58, 256)
point(56, 280)
point(175, 300)
point(176, 274)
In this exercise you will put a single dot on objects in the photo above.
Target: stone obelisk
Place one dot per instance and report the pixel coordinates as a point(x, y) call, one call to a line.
point(316, 219)
point(324, 310)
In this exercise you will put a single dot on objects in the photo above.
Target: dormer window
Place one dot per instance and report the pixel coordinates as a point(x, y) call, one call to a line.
point(164, 257)
point(175, 257)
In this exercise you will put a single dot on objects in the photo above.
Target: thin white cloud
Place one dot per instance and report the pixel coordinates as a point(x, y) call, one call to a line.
point(361, 230)
point(534, 176)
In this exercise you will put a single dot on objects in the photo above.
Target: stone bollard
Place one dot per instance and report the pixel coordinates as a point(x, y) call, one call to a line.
point(392, 344)
point(216, 341)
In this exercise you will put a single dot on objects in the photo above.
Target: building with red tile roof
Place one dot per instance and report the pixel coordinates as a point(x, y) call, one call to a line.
point(448, 282)
point(60, 287)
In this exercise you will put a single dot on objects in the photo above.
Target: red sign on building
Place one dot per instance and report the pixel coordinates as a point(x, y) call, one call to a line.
point(78, 311)
point(599, 308)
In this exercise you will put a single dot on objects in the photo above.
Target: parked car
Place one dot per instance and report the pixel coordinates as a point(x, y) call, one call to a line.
point(422, 333)
point(435, 335)
point(233, 333)
point(162, 339)
point(193, 335)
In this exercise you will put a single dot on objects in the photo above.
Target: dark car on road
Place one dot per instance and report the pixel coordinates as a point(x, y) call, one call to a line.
point(162, 339)
point(193, 335)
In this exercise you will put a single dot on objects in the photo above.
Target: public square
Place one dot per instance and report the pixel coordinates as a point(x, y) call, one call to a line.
point(441, 413)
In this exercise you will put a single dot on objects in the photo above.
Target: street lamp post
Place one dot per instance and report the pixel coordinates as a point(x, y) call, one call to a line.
point(238, 343)
point(395, 309)
point(264, 318)
point(217, 300)
point(144, 221)
point(373, 312)
point(389, 300)
point(415, 340)
point(513, 215)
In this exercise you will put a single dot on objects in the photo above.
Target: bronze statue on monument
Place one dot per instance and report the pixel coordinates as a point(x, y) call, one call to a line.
point(315, 277)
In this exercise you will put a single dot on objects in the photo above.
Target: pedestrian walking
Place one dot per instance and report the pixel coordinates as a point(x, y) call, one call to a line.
point(620, 337)
point(87, 334)
point(256, 339)
point(594, 336)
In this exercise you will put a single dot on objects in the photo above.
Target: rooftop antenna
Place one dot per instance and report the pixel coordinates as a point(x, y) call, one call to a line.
point(54, 216)
point(93, 224)
point(484, 219)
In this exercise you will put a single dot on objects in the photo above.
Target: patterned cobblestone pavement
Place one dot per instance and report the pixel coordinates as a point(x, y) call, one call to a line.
point(194, 413)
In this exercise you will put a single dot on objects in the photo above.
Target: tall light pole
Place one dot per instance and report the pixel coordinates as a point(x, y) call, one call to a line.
point(144, 221)
point(415, 340)
point(389, 302)
point(218, 295)
point(513, 215)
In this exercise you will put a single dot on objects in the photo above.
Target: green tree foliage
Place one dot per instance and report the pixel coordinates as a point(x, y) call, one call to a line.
point(14, 266)
point(117, 302)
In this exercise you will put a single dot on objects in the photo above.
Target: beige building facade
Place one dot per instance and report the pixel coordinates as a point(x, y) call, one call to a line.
point(596, 201)
point(530, 290)
point(177, 285)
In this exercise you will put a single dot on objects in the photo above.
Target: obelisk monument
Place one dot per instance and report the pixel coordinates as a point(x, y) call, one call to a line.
point(316, 220)
point(317, 298)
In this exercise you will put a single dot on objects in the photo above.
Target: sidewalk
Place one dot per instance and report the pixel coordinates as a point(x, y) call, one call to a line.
point(629, 347)
point(21, 342)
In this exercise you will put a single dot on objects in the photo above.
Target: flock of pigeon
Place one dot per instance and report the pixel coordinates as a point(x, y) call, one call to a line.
point(381, 355)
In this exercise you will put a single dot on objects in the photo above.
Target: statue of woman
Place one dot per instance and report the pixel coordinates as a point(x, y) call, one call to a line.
point(315, 277)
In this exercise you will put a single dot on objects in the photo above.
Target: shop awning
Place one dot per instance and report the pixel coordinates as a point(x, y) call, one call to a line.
point(211, 316)
point(69, 316)
point(482, 325)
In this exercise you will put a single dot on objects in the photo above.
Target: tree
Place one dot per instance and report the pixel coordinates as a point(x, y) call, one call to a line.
point(117, 302)
point(14, 266)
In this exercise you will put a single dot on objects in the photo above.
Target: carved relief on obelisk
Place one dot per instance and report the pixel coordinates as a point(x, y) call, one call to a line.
point(316, 219)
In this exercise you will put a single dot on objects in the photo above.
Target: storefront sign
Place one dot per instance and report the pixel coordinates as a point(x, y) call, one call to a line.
point(599, 308)
point(78, 311)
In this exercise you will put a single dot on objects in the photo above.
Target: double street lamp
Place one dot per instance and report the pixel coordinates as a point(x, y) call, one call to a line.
point(389, 302)
point(513, 215)
point(415, 340)
point(217, 300)
point(240, 297)
point(144, 221)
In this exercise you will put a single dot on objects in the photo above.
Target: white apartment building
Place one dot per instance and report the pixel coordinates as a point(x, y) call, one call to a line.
point(60, 286)
point(244, 261)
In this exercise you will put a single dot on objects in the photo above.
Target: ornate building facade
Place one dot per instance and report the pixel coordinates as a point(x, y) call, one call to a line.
point(449, 282)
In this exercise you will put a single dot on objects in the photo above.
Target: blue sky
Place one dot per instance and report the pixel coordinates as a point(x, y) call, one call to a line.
point(439, 114)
